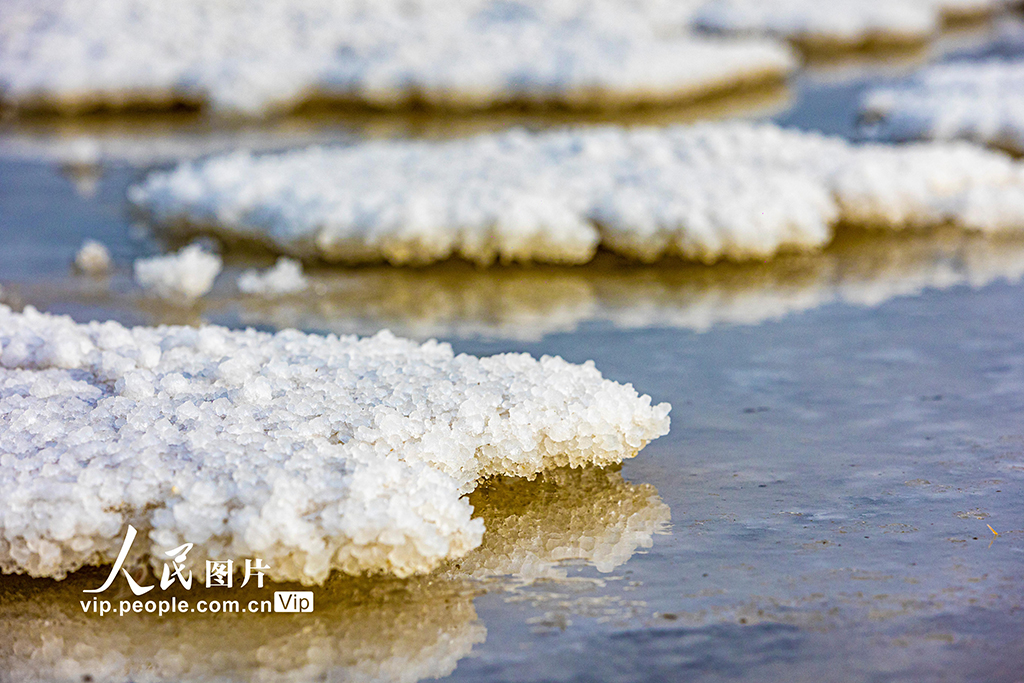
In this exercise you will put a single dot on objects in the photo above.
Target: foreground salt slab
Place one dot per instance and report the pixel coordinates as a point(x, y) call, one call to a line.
point(707, 192)
point(312, 453)
point(978, 101)
point(256, 57)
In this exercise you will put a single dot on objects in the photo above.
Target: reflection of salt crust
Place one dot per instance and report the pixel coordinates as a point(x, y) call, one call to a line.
point(187, 275)
point(312, 453)
point(284, 278)
point(592, 515)
point(706, 192)
point(377, 632)
point(983, 102)
point(263, 54)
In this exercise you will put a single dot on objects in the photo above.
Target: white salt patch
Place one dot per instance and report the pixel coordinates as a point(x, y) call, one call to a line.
point(983, 102)
point(93, 258)
point(313, 453)
point(837, 23)
point(706, 192)
point(187, 275)
point(260, 55)
point(284, 278)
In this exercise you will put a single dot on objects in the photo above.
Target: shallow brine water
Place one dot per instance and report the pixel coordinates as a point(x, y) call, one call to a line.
point(846, 441)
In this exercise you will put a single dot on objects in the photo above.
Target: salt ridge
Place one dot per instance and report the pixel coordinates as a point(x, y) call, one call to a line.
point(266, 55)
point(978, 101)
point(707, 192)
point(312, 453)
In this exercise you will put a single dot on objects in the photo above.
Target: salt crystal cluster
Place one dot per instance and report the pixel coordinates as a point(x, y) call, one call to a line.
point(312, 453)
point(706, 192)
point(285, 277)
point(186, 275)
point(93, 258)
point(839, 24)
point(978, 101)
point(262, 55)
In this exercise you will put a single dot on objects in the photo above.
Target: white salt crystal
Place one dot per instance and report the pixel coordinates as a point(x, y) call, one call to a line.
point(187, 275)
point(706, 192)
point(312, 453)
point(978, 101)
point(93, 258)
point(284, 278)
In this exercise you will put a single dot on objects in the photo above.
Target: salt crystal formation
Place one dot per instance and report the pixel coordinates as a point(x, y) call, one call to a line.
point(186, 275)
point(93, 258)
point(262, 55)
point(978, 101)
point(284, 278)
point(312, 453)
point(706, 192)
point(839, 24)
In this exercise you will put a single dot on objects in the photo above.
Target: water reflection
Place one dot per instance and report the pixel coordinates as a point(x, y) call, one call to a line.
point(456, 300)
point(147, 139)
point(368, 629)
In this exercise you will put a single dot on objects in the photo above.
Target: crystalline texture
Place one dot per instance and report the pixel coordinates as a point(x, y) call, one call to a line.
point(312, 453)
point(707, 192)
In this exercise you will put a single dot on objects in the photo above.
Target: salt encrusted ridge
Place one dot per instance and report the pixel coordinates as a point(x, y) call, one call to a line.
point(263, 55)
point(312, 453)
point(839, 24)
point(978, 101)
point(707, 192)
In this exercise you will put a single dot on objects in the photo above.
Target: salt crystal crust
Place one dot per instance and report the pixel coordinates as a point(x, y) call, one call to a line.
point(982, 102)
point(706, 192)
point(186, 275)
point(839, 24)
point(262, 55)
point(285, 277)
point(93, 258)
point(312, 453)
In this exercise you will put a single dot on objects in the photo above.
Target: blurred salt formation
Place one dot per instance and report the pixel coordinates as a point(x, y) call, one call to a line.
point(366, 629)
point(285, 277)
point(978, 101)
point(707, 192)
point(817, 26)
point(184, 276)
point(93, 258)
point(266, 55)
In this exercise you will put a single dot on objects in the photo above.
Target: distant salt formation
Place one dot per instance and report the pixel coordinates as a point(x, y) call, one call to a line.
point(313, 453)
point(263, 55)
point(284, 278)
point(738, 191)
point(839, 24)
point(978, 101)
point(186, 275)
point(93, 258)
